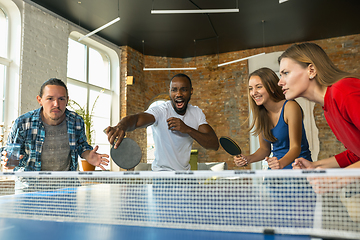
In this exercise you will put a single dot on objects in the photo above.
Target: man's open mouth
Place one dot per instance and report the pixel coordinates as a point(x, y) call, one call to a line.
point(180, 103)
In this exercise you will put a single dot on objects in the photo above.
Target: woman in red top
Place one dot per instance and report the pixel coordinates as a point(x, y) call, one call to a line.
point(306, 71)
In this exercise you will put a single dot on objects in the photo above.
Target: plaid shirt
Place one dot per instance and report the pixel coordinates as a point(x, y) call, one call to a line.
point(29, 131)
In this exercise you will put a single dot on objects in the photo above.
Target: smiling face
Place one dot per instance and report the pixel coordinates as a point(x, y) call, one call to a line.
point(295, 78)
point(180, 93)
point(53, 101)
point(257, 90)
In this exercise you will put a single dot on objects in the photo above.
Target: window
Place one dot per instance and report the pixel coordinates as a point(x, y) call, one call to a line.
point(4, 33)
point(2, 104)
point(4, 61)
point(10, 45)
point(150, 138)
point(89, 85)
point(2, 93)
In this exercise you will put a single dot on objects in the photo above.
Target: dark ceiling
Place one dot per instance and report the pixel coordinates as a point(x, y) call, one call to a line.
point(258, 23)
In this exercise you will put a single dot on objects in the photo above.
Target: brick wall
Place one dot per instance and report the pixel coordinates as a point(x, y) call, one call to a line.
point(132, 96)
point(222, 92)
point(345, 53)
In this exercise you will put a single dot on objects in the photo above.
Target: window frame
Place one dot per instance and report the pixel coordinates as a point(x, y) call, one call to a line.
point(114, 88)
point(11, 85)
point(86, 83)
point(5, 62)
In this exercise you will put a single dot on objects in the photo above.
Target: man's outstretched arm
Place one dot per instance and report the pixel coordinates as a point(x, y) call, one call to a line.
point(127, 124)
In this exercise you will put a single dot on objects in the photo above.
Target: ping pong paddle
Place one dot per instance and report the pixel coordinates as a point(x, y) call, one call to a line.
point(230, 146)
point(127, 155)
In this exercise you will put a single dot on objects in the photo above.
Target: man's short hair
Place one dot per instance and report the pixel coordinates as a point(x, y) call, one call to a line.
point(53, 81)
point(182, 75)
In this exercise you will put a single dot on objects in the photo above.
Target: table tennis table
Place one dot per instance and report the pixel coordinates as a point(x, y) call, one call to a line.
point(131, 207)
point(25, 229)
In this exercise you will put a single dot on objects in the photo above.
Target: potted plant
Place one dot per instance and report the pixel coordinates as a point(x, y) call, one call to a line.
point(87, 115)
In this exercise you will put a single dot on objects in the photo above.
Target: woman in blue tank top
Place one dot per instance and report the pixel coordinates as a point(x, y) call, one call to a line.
point(279, 125)
point(278, 122)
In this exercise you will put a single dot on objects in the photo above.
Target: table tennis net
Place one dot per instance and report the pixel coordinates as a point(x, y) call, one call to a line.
point(322, 203)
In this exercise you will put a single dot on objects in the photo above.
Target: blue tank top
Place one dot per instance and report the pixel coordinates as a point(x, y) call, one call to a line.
point(282, 145)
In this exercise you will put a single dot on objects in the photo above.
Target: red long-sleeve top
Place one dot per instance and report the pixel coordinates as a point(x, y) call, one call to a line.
point(342, 113)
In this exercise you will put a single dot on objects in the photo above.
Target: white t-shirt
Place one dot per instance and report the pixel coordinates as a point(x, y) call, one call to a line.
point(173, 148)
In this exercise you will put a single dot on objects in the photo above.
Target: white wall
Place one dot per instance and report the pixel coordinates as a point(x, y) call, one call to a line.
point(44, 53)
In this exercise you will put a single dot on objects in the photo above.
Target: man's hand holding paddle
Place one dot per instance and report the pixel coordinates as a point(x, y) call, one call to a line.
point(128, 124)
point(115, 133)
point(128, 154)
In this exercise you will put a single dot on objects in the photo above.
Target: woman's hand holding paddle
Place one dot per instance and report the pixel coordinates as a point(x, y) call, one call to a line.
point(240, 160)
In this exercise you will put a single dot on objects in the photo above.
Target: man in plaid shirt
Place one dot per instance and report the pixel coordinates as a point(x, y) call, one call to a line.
point(52, 137)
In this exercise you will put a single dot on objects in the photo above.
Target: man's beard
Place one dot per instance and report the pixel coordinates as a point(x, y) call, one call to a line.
point(55, 118)
point(180, 111)
point(58, 118)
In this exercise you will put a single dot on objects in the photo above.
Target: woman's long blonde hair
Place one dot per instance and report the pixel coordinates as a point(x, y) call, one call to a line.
point(261, 122)
point(311, 53)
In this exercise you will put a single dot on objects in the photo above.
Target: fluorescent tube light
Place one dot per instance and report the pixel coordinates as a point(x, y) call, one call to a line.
point(238, 60)
point(195, 11)
point(170, 69)
point(100, 28)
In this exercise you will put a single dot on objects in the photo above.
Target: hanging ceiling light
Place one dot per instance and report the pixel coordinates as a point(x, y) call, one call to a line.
point(241, 59)
point(104, 26)
point(199, 10)
point(245, 58)
point(100, 28)
point(169, 69)
point(232, 10)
